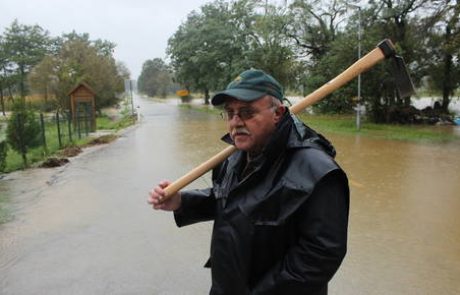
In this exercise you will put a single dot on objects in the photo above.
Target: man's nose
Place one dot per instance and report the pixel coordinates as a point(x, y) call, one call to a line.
point(235, 120)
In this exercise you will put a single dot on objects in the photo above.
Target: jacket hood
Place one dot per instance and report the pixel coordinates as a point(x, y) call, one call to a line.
point(291, 132)
point(307, 137)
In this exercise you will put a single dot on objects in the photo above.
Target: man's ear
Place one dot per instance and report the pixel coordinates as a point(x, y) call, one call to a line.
point(279, 112)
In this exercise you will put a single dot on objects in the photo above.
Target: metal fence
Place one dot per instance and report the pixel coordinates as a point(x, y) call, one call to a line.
point(63, 122)
point(52, 132)
point(67, 130)
point(83, 118)
point(59, 128)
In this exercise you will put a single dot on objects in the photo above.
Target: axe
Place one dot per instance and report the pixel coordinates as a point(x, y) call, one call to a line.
point(384, 50)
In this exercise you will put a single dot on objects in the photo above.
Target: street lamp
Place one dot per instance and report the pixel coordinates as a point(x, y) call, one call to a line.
point(358, 101)
point(131, 94)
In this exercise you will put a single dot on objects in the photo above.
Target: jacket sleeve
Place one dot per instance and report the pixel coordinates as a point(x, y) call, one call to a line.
point(197, 206)
point(322, 223)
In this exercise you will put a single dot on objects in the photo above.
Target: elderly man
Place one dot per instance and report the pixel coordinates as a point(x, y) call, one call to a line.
point(279, 204)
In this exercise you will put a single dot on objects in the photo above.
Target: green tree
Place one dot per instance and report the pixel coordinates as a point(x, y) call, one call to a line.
point(24, 46)
point(316, 30)
point(155, 78)
point(3, 153)
point(209, 49)
point(23, 131)
point(123, 70)
point(407, 24)
point(341, 54)
point(397, 20)
point(309, 42)
point(268, 45)
point(8, 76)
point(225, 38)
point(443, 39)
point(3, 75)
point(79, 59)
point(313, 25)
point(41, 79)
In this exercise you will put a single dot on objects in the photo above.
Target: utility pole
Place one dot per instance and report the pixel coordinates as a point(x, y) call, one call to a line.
point(131, 94)
point(358, 103)
point(358, 100)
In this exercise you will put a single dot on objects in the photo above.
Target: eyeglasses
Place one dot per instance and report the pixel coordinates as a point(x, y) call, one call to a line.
point(243, 113)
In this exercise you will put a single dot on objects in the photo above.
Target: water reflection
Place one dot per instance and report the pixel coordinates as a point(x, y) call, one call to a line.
point(405, 229)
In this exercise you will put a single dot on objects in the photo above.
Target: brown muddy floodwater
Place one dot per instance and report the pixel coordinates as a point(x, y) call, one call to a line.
point(85, 228)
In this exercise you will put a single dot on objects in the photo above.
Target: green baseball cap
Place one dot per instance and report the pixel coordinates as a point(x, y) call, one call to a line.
point(250, 85)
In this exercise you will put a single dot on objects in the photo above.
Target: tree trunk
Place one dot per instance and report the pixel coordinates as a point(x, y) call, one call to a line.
point(46, 94)
point(2, 101)
point(447, 83)
point(10, 93)
point(24, 159)
point(22, 86)
point(206, 96)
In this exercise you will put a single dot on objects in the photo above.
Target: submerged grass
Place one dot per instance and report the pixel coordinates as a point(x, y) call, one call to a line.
point(106, 122)
point(14, 159)
point(345, 125)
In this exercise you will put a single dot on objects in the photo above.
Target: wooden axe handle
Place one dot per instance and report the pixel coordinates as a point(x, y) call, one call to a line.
point(198, 171)
point(360, 66)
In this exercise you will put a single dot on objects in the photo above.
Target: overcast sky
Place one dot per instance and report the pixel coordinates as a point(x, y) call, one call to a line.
point(140, 28)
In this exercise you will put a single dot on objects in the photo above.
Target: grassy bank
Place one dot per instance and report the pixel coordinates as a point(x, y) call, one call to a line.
point(36, 155)
point(114, 123)
point(346, 125)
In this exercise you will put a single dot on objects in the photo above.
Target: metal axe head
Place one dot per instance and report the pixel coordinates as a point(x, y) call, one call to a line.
point(403, 82)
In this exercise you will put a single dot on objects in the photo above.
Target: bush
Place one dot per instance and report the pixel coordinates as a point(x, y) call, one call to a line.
point(23, 130)
point(3, 152)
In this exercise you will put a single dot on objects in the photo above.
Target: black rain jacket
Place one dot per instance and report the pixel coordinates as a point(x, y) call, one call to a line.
point(280, 226)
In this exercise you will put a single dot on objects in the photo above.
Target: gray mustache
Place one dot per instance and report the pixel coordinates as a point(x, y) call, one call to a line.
point(240, 130)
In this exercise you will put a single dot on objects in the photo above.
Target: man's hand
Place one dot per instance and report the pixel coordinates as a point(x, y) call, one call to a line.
point(157, 195)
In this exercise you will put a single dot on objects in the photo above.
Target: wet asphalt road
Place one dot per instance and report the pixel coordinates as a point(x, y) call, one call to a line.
point(86, 228)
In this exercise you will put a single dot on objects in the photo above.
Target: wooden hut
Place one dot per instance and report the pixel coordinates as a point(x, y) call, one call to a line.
point(82, 104)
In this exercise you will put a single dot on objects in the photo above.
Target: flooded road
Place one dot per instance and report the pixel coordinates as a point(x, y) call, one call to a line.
point(85, 228)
